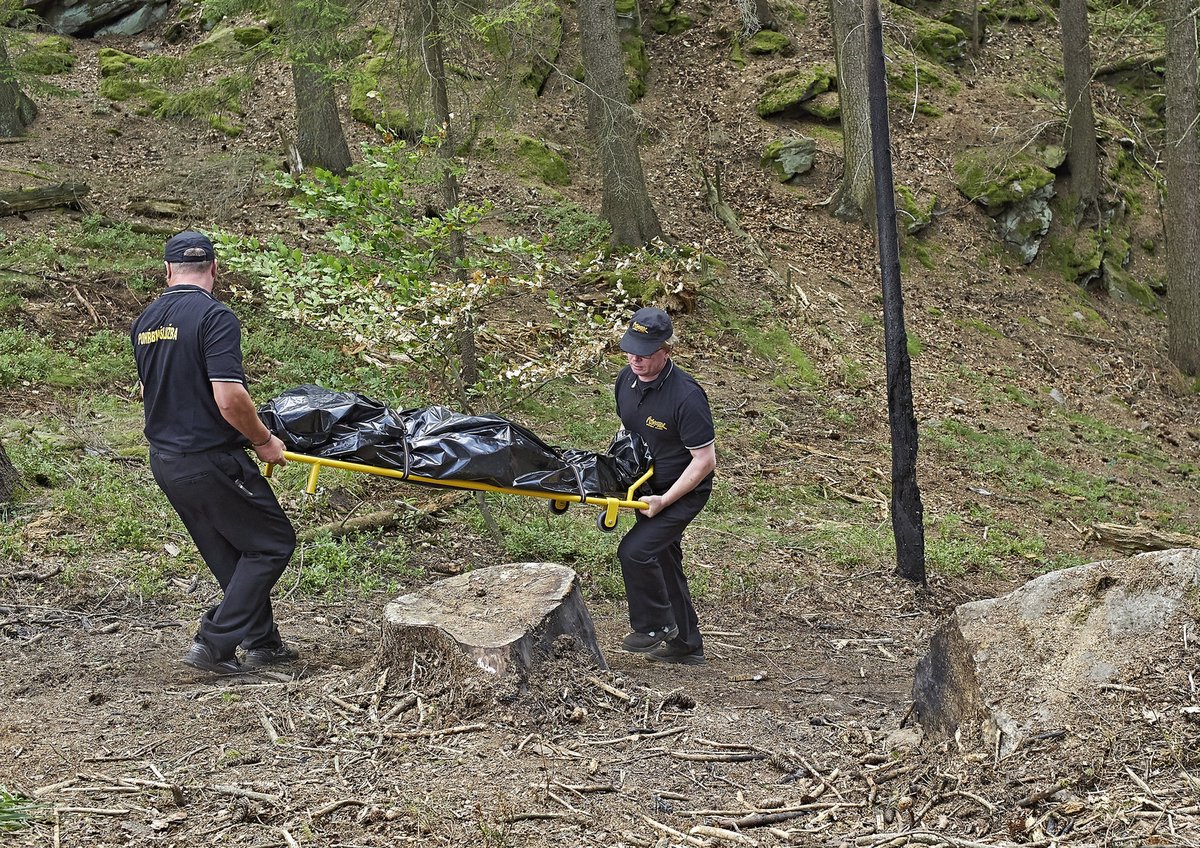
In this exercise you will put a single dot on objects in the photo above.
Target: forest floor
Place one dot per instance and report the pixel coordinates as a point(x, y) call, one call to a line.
point(1043, 409)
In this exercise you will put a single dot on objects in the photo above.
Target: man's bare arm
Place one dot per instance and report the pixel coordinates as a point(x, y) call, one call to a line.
point(238, 409)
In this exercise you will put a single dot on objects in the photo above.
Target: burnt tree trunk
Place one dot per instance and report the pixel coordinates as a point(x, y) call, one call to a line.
point(907, 513)
point(503, 620)
point(612, 126)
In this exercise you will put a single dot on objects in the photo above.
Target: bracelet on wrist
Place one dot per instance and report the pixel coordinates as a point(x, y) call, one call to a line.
point(263, 443)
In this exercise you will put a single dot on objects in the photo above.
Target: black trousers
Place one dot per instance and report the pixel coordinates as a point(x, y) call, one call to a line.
point(651, 556)
point(234, 518)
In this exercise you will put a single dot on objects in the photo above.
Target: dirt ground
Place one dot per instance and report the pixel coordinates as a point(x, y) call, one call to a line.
point(797, 731)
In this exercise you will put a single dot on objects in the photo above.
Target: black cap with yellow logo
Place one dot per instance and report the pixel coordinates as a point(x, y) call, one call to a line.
point(648, 331)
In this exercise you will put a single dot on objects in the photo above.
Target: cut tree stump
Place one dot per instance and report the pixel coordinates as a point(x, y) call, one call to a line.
point(504, 619)
point(45, 197)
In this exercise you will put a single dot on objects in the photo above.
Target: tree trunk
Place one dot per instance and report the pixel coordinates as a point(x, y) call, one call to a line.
point(1183, 176)
point(9, 478)
point(1082, 156)
point(319, 136)
point(502, 620)
point(430, 28)
point(908, 526)
point(856, 195)
point(17, 111)
point(612, 125)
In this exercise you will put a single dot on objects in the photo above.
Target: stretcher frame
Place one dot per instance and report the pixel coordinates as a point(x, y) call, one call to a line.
point(559, 502)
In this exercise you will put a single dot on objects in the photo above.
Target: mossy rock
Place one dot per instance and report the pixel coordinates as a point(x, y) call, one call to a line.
point(997, 181)
point(1015, 11)
point(1122, 285)
point(786, 90)
point(637, 65)
point(826, 106)
point(914, 213)
point(909, 74)
point(387, 92)
point(767, 42)
point(940, 42)
point(251, 36)
point(45, 56)
point(790, 157)
point(117, 63)
point(668, 20)
point(1077, 255)
point(535, 158)
point(223, 43)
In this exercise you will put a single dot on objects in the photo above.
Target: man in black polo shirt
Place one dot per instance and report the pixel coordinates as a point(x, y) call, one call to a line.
point(199, 421)
point(666, 407)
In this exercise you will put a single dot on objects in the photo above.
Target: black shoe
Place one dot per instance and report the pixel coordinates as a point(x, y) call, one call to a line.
point(676, 654)
point(281, 654)
point(640, 643)
point(200, 656)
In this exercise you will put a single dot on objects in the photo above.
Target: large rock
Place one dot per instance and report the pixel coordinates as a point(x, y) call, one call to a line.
point(98, 17)
point(1039, 659)
point(504, 619)
point(1015, 189)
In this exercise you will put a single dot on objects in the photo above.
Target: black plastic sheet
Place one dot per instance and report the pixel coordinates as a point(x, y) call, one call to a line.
point(441, 444)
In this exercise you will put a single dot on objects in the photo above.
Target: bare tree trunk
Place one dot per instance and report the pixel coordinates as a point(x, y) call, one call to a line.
point(1183, 176)
point(612, 124)
point(9, 478)
point(17, 111)
point(311, 29)
point(430, 28)
point(1082, 156)
point(319, 136)
point(856, 196)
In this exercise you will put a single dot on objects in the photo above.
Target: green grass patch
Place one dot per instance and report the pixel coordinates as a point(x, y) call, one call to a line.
point(16, 810)
point(101, 360)
point(365, 562)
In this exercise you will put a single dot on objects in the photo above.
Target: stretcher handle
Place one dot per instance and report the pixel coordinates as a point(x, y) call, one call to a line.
point(318, 461)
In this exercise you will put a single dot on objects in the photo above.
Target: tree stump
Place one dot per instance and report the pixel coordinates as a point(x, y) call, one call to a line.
point(502, 619)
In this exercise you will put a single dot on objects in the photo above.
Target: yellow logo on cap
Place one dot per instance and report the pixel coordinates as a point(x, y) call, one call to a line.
point(638, 327)
point(654, 424)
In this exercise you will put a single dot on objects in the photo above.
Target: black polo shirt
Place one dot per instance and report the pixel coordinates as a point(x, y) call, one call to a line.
point(183, 342)
point(672, 415)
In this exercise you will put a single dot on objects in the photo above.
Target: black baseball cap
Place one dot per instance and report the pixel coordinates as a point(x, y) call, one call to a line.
point(649, 329)
point(189, 246)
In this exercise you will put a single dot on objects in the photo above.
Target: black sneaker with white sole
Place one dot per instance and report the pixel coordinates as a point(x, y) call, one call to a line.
point(201, 656)
point(676, 654)
point(640, 643)
point(281, 654)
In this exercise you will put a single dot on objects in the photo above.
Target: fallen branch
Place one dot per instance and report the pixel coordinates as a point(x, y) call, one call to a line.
point(244, 793)
point(445, 731)
point(722, 834)
point(1138, 539)
point(319, 812)
point(382, 519)
point(46, 197)
point(670, 831)
point(612, 690)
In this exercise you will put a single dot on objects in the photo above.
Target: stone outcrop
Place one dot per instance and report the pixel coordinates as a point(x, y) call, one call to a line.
point(1038, 659)
point(98, 17)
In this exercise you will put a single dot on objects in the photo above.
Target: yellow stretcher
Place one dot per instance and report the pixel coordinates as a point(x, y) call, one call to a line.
point(559, 503)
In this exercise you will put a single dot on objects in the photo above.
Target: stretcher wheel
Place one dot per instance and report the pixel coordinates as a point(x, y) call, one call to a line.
point(602, 522)
point(559, 507)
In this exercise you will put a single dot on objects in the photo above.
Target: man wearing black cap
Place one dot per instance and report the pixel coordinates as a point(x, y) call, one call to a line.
point(199, 421)
point(666, 407)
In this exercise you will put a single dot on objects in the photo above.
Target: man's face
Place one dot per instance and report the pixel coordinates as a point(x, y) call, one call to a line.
point(648, 367)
